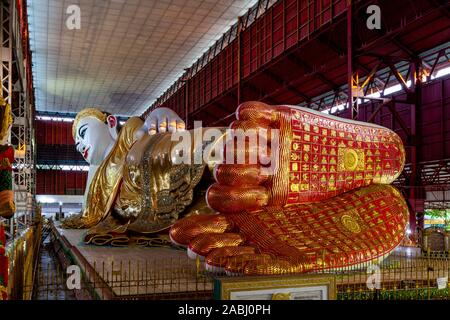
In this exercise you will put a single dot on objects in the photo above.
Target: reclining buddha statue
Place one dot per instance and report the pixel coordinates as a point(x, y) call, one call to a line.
point(326, 204)
point(133, 190)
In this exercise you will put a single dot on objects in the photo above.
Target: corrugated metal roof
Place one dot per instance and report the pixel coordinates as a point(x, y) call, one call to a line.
point(125, 54)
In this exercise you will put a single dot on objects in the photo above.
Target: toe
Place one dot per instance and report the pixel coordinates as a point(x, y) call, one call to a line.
point(273, 266)
point(185, 230)
point(218, 258)
point(237, 264)
point(236, 175)
point(230, 199)
point(205, 243)
point(257, 112)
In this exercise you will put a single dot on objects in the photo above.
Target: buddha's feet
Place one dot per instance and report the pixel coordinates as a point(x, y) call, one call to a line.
point(324, 206)
point(318, 157)
point(356, 227)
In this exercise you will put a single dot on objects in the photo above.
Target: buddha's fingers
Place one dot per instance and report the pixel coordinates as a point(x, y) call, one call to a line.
point(186, 229)
point(234, 199)
point(176, 125)
point(163, 124)
point(239, 175)
point(203, 244)
point(172, 125)
point(152, 126)
point(181, 126)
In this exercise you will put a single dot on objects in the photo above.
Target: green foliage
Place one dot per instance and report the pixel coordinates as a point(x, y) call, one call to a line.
point(5, 180)
point(399, 294)
point(440, 214)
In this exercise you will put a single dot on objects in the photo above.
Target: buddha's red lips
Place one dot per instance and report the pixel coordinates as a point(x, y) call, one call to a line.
point(85, 153)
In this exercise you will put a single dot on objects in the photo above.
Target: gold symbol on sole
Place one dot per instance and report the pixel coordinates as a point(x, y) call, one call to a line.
point(350, 159)
point(350, 223)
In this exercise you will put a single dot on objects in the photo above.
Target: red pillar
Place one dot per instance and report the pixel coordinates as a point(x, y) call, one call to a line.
point(416, 193)
point(186, 99)
point(238, 58)
point(353, 106)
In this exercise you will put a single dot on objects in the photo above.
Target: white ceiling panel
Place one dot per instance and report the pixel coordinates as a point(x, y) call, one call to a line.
point(126, 53)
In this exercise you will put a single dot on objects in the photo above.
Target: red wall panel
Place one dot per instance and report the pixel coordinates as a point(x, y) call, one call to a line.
point(282, 26)
point(53, 132)
point(58, 182)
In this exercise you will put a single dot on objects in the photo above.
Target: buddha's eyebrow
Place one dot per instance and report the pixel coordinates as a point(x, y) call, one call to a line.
point(79, 130)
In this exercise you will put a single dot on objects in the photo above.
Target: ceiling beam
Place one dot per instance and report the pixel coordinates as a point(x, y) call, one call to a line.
point(339, 50)
point(267, 96)
point(286, 85)
point(301, 63)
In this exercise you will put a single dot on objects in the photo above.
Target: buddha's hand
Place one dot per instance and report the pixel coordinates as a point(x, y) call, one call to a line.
point(164, 120)
point(307, 157)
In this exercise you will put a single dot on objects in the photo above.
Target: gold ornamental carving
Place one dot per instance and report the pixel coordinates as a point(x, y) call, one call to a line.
point(351, 159)
point(350, 223)
point(281, 296)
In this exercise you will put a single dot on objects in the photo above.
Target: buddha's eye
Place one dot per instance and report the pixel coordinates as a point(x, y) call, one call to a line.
point(83, 133)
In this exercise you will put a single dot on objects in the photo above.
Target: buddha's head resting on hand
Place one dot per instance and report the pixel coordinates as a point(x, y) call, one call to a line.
point(94, 131)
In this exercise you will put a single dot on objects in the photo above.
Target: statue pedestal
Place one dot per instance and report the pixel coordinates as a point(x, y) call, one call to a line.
point(141, 272)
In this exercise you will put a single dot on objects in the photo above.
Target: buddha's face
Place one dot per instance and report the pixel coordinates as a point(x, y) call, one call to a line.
point(93, 137)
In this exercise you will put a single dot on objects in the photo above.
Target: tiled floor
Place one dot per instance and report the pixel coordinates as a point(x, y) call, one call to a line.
point(138, 270)
point(50, 279)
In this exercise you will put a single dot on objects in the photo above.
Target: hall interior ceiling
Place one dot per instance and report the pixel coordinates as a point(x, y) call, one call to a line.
point(126, 52)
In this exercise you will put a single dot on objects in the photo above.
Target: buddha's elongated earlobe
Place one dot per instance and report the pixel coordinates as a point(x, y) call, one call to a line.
point(112, 126)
